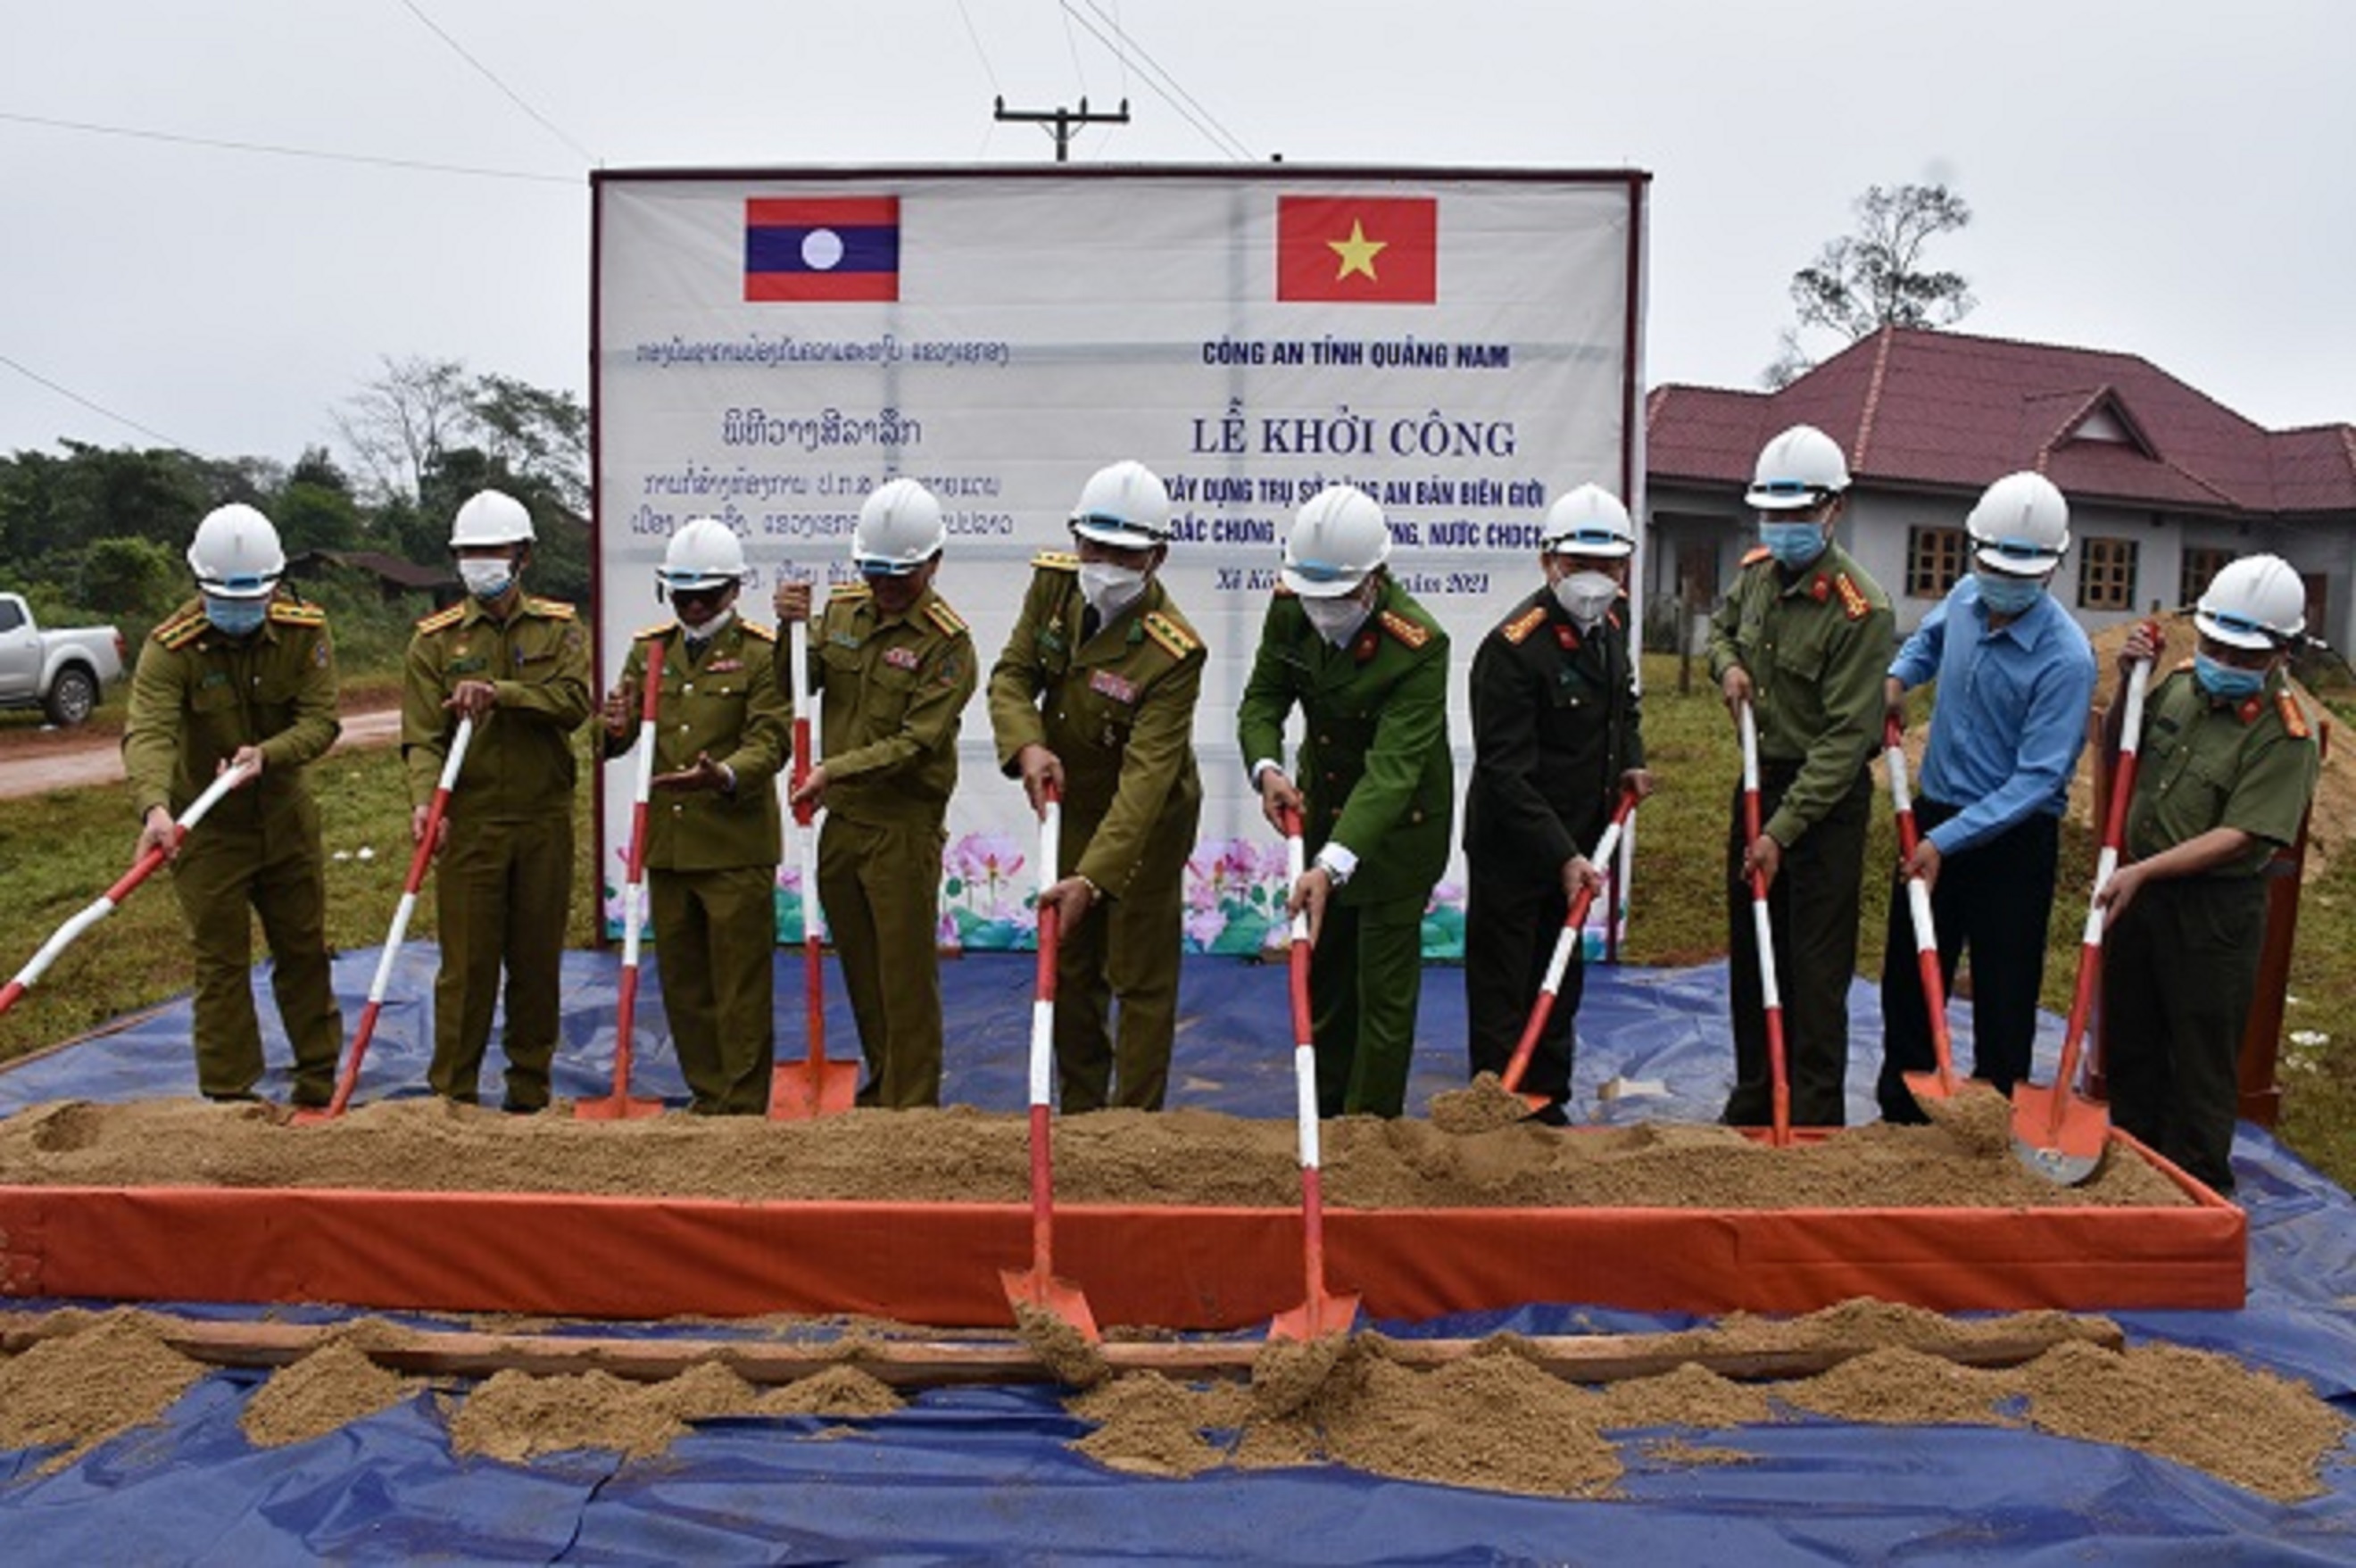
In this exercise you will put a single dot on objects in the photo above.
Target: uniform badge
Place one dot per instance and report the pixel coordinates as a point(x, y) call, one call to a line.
point(1820, 590)
point(1566, 638)
point(1111, 685)
point(723, 667)
point(1363, 648)
point(900, 658)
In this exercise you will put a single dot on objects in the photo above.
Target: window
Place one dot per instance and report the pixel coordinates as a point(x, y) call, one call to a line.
point(1934, 561)
point(2201, 562)
point(2106, 574)
point(11, 618)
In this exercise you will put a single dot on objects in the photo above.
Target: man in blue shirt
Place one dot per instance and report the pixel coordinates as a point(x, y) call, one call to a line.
point(2016, 680)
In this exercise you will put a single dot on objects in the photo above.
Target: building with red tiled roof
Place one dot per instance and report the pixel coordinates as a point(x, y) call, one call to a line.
point(2164, 483)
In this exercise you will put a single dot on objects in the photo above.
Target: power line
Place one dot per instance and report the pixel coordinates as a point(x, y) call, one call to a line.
point(1147, 59)
point(975, 34)
point(68, 394)
point(1196, 116)
point(275, 150)
point(513, 97)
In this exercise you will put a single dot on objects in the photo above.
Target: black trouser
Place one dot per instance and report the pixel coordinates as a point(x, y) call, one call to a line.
point(1511, 925)
point(1996, 898)
point(2180, 971)
point(1812, 913)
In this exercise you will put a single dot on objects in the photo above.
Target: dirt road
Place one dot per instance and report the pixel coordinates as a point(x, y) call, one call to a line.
point(34, 770)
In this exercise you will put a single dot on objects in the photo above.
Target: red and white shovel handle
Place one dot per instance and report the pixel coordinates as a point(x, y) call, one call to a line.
point(1918, 902)
point(106, 903)
point(804, 829)
point(633, 879)
point(1043, 1003)
point(1764, 935)
point(1559, 963)
point(1298, 953)
point(2106, 864)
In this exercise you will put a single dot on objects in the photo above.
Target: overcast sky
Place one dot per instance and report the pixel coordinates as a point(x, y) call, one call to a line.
point(2164, 178)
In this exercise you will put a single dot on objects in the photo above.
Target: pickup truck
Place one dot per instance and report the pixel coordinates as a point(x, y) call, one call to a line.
point(61, 672)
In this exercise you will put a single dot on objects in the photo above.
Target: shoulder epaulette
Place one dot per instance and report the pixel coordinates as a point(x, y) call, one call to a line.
point(1284, 591)
point(556, 609)
point(1757, 555)
point(1406, 630)
point(296, 612)
point(1522, 625)
point(1170, 634)
point(946, 618)
point(2183, 667)
point(441, 618)
point(647, 633)
point(1056, 560)
point(181, 630)
point(1852, 598)
point(2294, 717)
point(758, 632)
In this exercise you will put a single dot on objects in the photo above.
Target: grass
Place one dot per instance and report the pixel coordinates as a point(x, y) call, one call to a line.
point(67, 845)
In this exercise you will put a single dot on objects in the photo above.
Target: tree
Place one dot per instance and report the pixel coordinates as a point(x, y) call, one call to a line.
point(399, 423)
point(1875, 276)
point(129, 577)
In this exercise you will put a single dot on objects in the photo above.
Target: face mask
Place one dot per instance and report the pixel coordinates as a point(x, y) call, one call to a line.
point(2221, 679)
point(1793, 545)
point(1585, 597)
point(2008, 595)
point(235, 617)
point(487, 579)
point(1336, 620)
point(1110, 589)
point(699, 634)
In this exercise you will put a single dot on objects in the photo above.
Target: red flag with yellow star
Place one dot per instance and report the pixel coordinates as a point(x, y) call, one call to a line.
point(1372, 250)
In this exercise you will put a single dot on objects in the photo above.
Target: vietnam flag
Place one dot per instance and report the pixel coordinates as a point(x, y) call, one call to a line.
point(842, 247)
point(1372, 249)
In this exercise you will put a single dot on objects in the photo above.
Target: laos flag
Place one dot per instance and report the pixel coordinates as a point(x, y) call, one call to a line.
point(818, 248)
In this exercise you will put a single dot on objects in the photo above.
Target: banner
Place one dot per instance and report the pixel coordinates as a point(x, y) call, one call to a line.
point(1465, 346)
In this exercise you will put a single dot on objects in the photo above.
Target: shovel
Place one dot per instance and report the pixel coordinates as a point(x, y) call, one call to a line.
point(619, 1106)
point(1321, 1313)
point(419, 861)
point(1606, 848)
point(2057, 1131)
point(1037, 1287)
point(801, 1091)
point(107, 902)
point(1777, 1069)
point(1939, 1085)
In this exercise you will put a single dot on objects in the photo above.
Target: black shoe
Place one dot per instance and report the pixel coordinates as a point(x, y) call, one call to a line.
point(516, 1108)
point(1551, 1114)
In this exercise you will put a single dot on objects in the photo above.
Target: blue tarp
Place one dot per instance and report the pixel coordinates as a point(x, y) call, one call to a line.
point(985, 1474)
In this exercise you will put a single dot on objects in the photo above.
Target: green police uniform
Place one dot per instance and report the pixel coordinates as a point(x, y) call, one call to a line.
point(503, 885)
point(2180, 964)
point(1377, 780)
point(1116, 704)
point(712, 855)
point(1815, 644)
point(895, 689)
point(195, 697)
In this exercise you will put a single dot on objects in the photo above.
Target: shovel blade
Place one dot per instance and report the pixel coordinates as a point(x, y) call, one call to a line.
point(1929, 1086)
point(799, 1092)
point(1321, 1315)
point(616, 1108)
point(1059, 1298)
point(312, 1116)
point(2057, 1134)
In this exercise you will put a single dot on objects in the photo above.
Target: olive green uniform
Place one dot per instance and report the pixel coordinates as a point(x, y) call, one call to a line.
point(895, 689)
point(1116, 704)
point(2180, 965)
point(712, 855)
point(195, 697)
point(503, 885)
point(1377, 778)
point(1815, 644)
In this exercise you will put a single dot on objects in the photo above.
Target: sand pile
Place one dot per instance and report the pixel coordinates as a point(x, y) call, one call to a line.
point(81, 1390)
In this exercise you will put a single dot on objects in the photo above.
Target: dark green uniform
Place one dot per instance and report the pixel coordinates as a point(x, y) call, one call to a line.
point(894, 687)
point(711, 857)
point(1815, 644)
point(1116, 704)
point(1555, 723)
point(2180, 965)
point(503, 886)
point(1377, 780)
point(197, 696)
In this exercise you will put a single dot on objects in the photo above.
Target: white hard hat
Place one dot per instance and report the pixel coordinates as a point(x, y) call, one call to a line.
point(236, 553)
point(1338, 537)
point(1798, 471)
point(900, 528)
point(491, 517)
point(1125, 506)
point(1590, 520)
point(2021, 526)
point(2257, 601)
point(704, 554)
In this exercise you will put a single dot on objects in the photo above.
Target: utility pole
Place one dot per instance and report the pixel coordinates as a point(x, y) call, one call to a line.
point(1065, 122)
